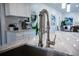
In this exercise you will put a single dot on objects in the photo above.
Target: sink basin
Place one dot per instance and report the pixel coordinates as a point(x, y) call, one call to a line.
point(27, 50)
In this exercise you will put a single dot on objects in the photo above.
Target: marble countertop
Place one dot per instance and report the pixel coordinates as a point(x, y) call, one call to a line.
point(69, 43)
point(29, 30)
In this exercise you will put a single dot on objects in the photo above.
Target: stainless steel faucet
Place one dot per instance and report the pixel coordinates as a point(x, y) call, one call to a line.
point(42, 29)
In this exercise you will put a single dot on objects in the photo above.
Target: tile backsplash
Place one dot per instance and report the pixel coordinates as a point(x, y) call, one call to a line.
point(13, 20)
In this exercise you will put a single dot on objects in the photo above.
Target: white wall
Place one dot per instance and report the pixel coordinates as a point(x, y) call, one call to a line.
point(38, 7)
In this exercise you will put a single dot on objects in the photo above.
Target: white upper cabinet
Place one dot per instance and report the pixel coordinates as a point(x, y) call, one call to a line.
point(18, 9)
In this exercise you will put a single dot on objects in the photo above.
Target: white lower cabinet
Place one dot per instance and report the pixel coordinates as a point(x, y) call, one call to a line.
point(20, 36)
point(11, 37)
point(16, 36)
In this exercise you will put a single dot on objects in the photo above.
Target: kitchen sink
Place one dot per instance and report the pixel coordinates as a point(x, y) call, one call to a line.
point(27, 50)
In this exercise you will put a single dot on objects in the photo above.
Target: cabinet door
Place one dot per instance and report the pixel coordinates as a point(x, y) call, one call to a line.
point(17, 9)
point(10, 9)
point(28, 10)
point(20, 36)
point(11, 37)
point(21, 9)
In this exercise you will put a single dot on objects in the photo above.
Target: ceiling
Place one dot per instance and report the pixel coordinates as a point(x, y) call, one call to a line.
point(57, 6)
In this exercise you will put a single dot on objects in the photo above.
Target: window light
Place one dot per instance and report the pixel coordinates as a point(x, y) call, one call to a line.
point(68, 7)
point(63, 5)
